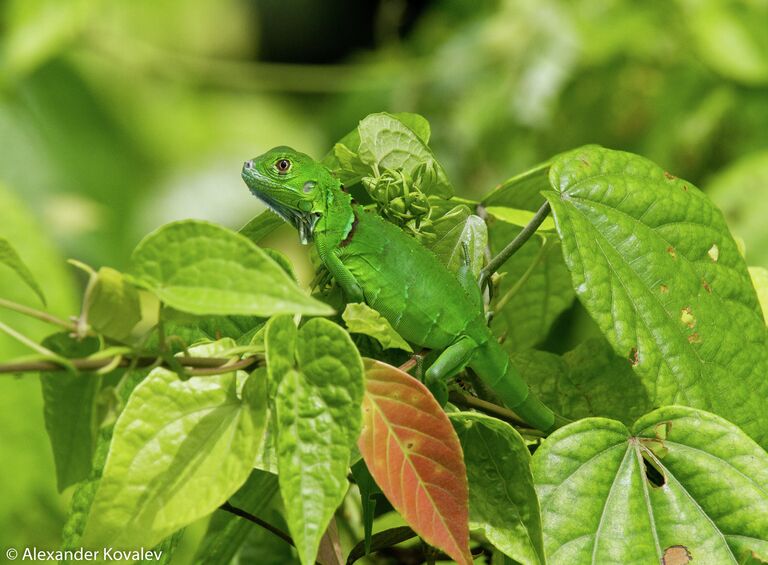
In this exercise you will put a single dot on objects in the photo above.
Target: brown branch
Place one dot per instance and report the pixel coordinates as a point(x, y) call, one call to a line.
point(199, 366)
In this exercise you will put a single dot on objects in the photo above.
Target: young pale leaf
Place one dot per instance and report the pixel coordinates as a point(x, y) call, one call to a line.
point(202, 268)
point(70, 410)
point(11, 259)
point(461, 239)
point(590, 380)
point(760, 280)
point(179, 450)
point(600, 503)
point(317, 411)
point(387, 143)
point(413, 452)
point(261, 226)
point(227, 532)
point(112, 305)
point(519, 218)
point(654, 264)
point(362, 319)
point(502, 500)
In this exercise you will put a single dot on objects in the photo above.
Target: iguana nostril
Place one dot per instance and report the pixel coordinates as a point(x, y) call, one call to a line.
point(248, 164)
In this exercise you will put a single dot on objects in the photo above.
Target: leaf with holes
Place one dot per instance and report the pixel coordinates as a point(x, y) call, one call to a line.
point(654, 264)
point(413, 452)
point(682, 483)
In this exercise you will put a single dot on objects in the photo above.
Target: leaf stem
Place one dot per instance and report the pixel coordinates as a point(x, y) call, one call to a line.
point(227, 507)
point(38, 314)
point(468, 401)
point(512, 248)
point(26, 341)
point(199, 366)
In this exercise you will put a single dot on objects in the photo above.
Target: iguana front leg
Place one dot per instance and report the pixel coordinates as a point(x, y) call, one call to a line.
point(452, 360)
point(343, 277)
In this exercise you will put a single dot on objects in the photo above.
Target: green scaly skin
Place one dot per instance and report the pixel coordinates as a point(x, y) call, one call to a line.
point(375, 262)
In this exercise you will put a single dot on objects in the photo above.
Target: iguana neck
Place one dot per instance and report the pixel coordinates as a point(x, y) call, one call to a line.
point(336, 221)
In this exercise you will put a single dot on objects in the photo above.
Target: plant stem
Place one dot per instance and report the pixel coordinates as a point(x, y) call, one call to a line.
point(468, 401)
point(514, 245)
point(25, 340)
point(200, 366)
point(38, 314)
point(227, 507)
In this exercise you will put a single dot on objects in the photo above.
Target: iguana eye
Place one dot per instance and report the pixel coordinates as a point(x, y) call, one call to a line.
point(283, 166)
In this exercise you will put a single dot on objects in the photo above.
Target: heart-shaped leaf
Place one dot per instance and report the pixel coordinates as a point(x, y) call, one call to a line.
point(655, 265)
point(202, 268)
point(683, 483)
point(413, 452)
point(179, 450)
point(317, 377)
point(502, 500)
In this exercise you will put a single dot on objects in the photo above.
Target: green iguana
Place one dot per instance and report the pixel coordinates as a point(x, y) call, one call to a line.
point(374, 261)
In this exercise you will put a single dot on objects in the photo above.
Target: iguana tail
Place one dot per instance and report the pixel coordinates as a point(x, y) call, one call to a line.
point(493, 366)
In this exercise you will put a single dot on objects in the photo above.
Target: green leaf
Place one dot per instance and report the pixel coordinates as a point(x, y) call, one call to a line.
point(201, 268)
point(280, 340)
point(344, 160)
point(521, 191)
point(70, 410)
point(226, 532)
point(368, 492)
point(261, 226)
point(387, 143)
point(760, 280)
point(412, 451)
point(362, 319)
point(590, 380)
point(600, 503)
point(534, 291)
point(741, 192)
point(317, 410)
point(180, 449)
point(457, 231)
point(112, 305)
point(11, 259)
point(535, 287)
point(654, 264)
point(502, 500)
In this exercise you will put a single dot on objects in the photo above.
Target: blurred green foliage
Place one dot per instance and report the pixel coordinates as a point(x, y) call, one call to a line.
point(117, 116)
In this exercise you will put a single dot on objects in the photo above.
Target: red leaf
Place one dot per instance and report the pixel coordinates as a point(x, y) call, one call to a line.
point(415, 456)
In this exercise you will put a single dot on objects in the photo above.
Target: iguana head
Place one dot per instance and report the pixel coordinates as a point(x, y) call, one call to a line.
point(291, 184)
